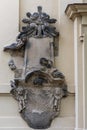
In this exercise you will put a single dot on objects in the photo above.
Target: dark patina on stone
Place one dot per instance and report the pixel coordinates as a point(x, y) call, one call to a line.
point(37, 86)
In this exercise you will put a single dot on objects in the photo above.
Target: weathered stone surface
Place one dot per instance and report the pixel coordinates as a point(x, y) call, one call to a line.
point(38, 86)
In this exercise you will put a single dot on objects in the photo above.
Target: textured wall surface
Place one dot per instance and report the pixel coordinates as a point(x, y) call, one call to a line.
point(11, 14)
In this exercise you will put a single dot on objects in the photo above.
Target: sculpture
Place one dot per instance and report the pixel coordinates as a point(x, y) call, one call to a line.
point(37, 86)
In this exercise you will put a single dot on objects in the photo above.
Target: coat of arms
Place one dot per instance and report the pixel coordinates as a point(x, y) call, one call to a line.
point(37, 85)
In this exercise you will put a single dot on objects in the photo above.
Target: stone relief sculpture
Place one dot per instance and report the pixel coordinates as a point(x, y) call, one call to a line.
point(37, 85)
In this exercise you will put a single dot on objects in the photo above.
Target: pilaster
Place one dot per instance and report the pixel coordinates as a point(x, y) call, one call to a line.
point(78, 13)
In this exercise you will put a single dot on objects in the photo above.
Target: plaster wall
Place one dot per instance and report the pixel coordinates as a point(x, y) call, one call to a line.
point(9, 18)
point(11, 14)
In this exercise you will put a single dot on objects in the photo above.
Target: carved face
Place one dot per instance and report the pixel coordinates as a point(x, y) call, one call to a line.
point(46, 63)
point(41, 105)
point(37, 87)
point(24, 38)
point(39, 99)
point(12, 65)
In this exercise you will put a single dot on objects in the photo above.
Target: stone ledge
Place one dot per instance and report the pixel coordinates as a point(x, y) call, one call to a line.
point(16, 128)
point(17, 123)
point(5, 88)
point(76, 10)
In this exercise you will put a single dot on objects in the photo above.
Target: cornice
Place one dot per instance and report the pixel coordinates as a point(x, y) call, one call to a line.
point(76, 10)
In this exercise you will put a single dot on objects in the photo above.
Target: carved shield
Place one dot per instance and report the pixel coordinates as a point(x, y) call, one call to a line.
point(37, 86)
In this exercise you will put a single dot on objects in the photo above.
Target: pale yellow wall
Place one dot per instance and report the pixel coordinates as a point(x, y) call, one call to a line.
point(9, 25)
point(85, 1)
point(9, 18)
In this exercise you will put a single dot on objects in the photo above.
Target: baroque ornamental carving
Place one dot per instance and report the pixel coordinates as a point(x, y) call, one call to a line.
point(37, 85)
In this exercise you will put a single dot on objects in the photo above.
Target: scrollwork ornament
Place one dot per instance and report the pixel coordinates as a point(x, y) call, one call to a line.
point(37, 86)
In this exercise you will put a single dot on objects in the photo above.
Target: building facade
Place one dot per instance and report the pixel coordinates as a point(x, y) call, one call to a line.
point(71, 24)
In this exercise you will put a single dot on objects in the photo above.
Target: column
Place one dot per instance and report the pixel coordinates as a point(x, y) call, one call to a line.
point(78, 13)
point(84, 32)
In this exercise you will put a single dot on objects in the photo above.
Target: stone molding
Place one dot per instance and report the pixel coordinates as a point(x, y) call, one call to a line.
point(79, 129)
point(21, 126)
point(5, 89)
point(75, 10)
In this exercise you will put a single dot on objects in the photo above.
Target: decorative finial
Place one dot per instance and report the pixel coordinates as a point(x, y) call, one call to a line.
point(39, 9)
